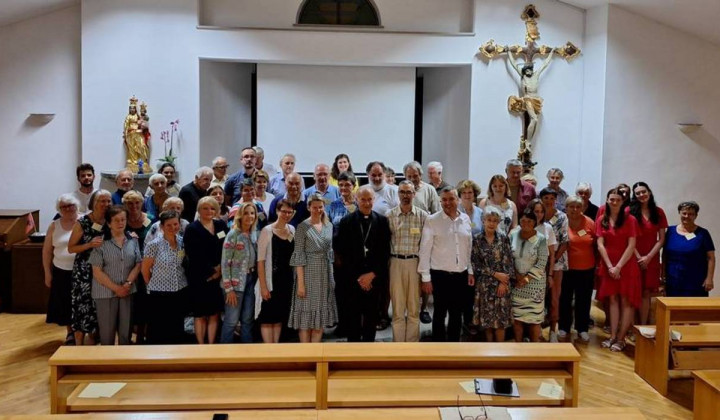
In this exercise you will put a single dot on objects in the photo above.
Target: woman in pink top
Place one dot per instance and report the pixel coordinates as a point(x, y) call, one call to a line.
point(652, 224)
point(617, 232)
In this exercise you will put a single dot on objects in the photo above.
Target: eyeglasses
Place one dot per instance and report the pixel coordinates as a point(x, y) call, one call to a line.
point(287, 211)
point(482, 416)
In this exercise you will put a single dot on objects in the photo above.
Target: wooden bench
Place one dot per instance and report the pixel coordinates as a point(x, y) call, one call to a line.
point(186, 377)
point(429, 374)
point(227, 377)
point(706, 403)
point(585, 413)
point(698, 321)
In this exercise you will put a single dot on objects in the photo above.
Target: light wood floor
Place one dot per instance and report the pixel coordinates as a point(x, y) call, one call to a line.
point(606, 379)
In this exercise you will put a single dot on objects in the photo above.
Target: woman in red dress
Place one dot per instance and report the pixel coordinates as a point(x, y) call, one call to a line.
point(650, 240)
point(617, 232)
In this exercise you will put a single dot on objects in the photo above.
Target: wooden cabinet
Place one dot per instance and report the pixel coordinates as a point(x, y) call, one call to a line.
point(29, 294)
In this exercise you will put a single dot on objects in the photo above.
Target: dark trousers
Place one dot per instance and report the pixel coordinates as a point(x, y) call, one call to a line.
point(450, 293)
point(166, 317)
point(578, 284)
point(361, 315)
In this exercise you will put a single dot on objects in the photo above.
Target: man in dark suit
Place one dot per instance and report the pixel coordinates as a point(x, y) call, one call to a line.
point(362, 251)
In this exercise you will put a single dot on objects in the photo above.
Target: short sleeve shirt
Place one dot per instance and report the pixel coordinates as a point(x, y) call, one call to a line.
point(167, 274)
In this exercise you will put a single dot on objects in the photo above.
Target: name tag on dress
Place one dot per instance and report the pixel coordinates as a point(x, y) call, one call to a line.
point(414, 231)
point(97, 227)
point(181, 254)
point(582, 233)
point(146, 222)
point(533, 239)
point(221, 234)
point(553, 220)
point(690, 236)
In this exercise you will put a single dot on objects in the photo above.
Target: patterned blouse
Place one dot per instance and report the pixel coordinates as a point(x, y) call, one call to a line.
point(238, 259)
point(167, 274)
point(531, 257)
point(488, 258)
point(559, 223)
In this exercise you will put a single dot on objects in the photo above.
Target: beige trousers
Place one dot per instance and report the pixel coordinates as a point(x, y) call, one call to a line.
point(405, 298)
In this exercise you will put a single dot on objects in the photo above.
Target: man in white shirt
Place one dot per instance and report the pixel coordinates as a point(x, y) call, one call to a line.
point(386, 196)
point(219, 167)
point(445, 265)
point(425, 195)
point(86, 177)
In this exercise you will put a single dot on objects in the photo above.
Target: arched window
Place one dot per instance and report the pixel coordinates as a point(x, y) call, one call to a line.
point(338, 12)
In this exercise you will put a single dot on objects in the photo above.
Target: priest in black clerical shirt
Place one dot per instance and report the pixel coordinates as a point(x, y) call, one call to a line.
point(362, 252)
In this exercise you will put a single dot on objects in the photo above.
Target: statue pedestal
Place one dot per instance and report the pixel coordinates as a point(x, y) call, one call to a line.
point(107, 181)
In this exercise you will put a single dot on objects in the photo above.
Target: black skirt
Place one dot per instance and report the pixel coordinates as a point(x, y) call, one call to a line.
point(206, 298)
point(60, 302)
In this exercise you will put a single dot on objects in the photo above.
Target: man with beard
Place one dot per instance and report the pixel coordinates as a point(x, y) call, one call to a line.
point(362, 250)
point(386, 196)
point(233, 185)
point(86, 177)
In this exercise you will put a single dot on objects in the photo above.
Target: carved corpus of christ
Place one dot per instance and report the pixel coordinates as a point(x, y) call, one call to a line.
point(528, 104)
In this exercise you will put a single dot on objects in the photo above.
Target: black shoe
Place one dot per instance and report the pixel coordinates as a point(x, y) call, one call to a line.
point(425, 317)
point(383, 324)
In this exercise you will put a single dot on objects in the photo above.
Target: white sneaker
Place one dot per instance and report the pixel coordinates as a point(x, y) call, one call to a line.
point(585, 337)
point(553, 337)
point(562, 334)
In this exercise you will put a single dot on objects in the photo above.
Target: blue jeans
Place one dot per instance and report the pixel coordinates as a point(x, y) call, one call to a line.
point(244, 312)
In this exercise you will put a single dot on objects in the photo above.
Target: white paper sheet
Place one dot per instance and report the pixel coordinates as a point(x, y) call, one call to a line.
point(101, 390)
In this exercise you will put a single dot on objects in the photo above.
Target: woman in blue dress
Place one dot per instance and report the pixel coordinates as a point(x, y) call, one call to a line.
point(688, 255)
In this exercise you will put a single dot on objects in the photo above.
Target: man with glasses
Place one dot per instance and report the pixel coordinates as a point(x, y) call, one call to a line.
point(406, 224)
point(233, 185)
point(219, 167)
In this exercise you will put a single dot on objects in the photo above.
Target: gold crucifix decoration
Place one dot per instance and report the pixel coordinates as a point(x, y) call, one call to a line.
point(528, 104)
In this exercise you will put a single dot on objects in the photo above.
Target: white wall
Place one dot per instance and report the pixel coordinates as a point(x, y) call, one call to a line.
point(39, 73)
point(446, 119)
point(172, 47)
point(658, 77)
point(494, 132)
point(317, 112)
point(395, 15)
point(225, 111)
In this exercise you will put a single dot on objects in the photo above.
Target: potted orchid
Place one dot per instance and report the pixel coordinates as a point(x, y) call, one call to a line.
point(168, 137)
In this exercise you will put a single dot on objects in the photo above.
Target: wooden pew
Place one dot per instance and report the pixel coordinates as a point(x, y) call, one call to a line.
point(428, 374)
point(186, 377)
point(227, 377)
point(706, 402)
point(428, 413)
point(698, 320)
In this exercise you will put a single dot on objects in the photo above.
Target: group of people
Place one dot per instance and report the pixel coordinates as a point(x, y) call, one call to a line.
point(257, 251)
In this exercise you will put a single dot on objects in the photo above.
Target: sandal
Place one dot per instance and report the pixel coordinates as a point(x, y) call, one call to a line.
point(608, 343)
point(618, 346)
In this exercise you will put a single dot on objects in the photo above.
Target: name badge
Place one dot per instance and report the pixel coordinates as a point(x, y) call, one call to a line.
point(181, 254)
point(553, 220)
point(534, 239)
point(221, 234)
point(472, 225)
point(582, 233)
point(690, 236)
point(351, 208)
point(97, 227)
point(414, 231)
point(146, 223)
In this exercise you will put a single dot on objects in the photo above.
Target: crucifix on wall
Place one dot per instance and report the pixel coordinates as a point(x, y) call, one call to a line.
point(528, 104)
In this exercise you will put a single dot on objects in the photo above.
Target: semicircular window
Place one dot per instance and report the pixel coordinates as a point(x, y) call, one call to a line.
point(338, 12)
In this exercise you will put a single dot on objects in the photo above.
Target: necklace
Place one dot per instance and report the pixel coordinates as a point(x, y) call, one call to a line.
point(365, 236)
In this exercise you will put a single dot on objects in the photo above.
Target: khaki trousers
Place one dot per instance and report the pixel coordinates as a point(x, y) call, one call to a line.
point(405, 298)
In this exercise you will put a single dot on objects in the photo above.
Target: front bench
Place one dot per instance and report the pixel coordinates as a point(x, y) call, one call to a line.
point(166, 378)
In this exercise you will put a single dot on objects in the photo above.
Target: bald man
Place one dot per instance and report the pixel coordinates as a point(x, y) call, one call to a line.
point(322, 186)
point(293, 193)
